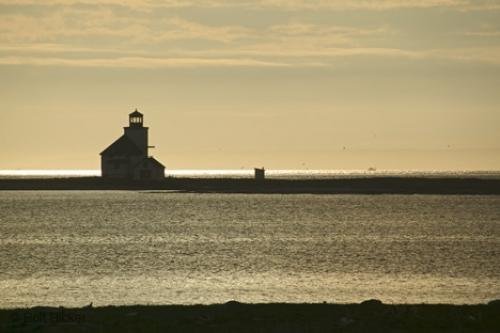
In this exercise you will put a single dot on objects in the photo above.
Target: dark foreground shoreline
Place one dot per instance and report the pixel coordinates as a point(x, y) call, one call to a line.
point(369, 316)
point(364, 185)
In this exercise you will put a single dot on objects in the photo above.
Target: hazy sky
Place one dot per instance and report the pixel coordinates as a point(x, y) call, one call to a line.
point(392, 84)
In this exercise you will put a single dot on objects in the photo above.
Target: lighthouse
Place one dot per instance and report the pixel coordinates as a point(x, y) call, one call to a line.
point(128, 157)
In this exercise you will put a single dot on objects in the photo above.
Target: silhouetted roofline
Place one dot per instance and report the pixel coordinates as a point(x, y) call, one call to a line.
point(155, 161)
point(150, 159)
point(136, 114)
point(123, 146)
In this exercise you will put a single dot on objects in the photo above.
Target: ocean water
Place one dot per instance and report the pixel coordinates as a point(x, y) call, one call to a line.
point(122, 247)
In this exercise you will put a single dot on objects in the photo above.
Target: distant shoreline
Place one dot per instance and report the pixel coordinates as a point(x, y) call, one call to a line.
point(364, 185)
point(369, 316)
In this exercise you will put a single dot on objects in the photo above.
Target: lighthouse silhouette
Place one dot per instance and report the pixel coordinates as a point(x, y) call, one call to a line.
point(128, 158)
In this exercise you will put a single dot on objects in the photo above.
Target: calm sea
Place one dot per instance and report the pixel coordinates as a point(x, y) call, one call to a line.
point(110, 247)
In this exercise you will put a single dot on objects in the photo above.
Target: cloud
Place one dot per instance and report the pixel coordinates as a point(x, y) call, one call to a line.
point(56, 48)
point(178, 28)
point(260, 58)
point(485, 55)
point(104, 23)
point(139, 62)
point(495, 33)
point(361, 4)
point(277, 4)
point(103, 36)
point(67, 23)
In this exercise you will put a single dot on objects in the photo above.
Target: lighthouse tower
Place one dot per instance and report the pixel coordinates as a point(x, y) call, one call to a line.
point(137, 132)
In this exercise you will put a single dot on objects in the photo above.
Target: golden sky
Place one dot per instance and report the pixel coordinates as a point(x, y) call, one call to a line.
point(391, 84)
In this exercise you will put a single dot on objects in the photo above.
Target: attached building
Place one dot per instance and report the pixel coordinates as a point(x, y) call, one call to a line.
point(128, 158)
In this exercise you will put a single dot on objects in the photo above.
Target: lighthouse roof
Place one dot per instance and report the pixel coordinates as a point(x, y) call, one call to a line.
point(124, 146)
point(150, 161)
point(136, 114)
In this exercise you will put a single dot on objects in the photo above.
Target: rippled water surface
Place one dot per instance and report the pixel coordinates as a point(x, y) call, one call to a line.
point(74, 247)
